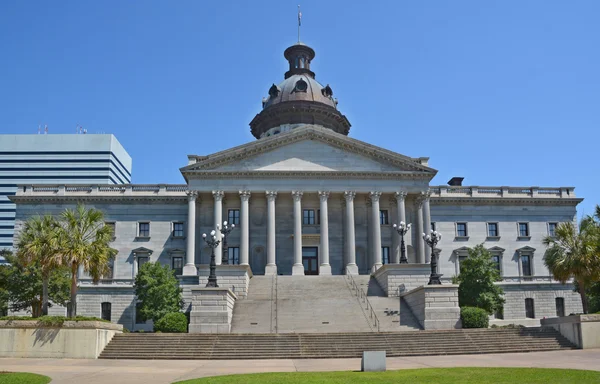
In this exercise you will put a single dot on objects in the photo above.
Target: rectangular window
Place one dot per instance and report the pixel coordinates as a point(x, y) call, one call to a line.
point(433, 226)
point(105, 311)
point(144, 229)
point(523, 229)
point(560, 306)
point(529, 309)
point(551, 229)
point(234, 255)
point(496, 260)
point(460, 261)
point(526, 264)
point(233, 217)
point(499, 314)
point(308, 217)
point(177, 229)
point(177, 265)
point(138, 315)
point(142, 260)
point(385, 255)
point(112, 227)
point(493, 230)
point(461, 229)
point(383, 217)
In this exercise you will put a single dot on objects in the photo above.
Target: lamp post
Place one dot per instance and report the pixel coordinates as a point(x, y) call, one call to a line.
point(402, 229)
point(225, 231)
point(432, 239)
point(213, 243)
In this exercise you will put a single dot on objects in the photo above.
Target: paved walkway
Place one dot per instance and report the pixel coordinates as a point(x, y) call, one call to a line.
point(71, 371)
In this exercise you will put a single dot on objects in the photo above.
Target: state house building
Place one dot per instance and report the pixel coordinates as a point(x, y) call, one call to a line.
point(307, 199)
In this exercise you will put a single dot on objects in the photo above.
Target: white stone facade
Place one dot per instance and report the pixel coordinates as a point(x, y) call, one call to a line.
point(355, 192)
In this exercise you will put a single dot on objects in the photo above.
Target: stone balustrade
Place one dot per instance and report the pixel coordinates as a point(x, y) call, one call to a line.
point(504, 192)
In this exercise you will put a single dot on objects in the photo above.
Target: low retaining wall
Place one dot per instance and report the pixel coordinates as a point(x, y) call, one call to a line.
point(74, 339)
point(212, 310)
point(395, 279)
point(434, 306)
point(581, 330)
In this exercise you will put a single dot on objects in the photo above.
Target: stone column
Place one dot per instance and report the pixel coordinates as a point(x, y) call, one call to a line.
point(298, 267)
point(244, 228)
point(324, 268)
point(426, 220)
point(419, 232)
point(351, 267)
point(376, 230)
point(218, 196)
point(190, 253)
point(271, 268)
point(401, 211)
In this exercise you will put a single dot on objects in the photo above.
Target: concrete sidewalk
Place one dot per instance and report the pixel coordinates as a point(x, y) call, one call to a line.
point(71, 371)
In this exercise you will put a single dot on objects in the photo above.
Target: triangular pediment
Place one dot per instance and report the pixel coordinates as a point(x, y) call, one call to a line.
point(308, 149)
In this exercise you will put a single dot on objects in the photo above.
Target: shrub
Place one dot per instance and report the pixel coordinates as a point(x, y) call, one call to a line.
point(52, 321)
point(473, 317)
point(174, 322)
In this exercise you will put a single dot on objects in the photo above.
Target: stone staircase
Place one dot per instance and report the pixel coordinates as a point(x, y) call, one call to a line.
point(331, 345)
point(299, 304)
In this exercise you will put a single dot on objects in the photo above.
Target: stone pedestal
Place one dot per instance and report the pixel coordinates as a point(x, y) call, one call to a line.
point(212, 310)
point(434, 306)
point(233, 277)
point(352, 269)
point(298, 270)
point(395, 279)
point(373, 361)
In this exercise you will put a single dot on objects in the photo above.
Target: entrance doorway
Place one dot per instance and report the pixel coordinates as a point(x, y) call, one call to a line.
point(310, 260)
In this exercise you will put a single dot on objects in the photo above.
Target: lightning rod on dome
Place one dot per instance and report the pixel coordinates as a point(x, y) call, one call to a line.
point(299, 22)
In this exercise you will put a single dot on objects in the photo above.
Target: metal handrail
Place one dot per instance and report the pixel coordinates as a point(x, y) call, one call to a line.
point(363, 296)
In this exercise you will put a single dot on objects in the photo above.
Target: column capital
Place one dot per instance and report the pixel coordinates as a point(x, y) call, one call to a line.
point(271, 195)
point(375, 195)
point(425, 194)
point(297, 195)
point(245, 195)
point(400, 195)
point(218, 195)
point(323, 195)
point(349, 195)
point(192, 195)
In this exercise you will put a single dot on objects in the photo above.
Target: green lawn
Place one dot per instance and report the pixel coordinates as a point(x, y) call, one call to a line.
point(22, 378)
point(414, 376)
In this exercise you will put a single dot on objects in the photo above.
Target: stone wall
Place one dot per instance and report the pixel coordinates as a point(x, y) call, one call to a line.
point(74, 340)
point(434, 306)
point(544, 299)
point(212, 310)
point(233, 277)
point(581, 330)
point(397, 278)
point(122, 299)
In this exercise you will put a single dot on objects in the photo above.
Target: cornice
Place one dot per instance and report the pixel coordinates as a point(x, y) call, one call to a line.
point(434, 200)
point(83, 198)
point(309, 175)
point(311, 132)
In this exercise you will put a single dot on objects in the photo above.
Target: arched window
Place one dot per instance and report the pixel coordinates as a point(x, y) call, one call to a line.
point(106, 309)
point(301, 62)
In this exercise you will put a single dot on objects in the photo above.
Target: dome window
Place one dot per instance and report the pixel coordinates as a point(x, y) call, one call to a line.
point(274, 91)
point(327, 91)
point(301, 86)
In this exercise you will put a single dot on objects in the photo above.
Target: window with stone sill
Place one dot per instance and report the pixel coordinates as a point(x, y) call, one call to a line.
point(178, 229)
point(112, 226)
point(497, 260)
point(461, 230)
point(143, 229)
point(523, 230)
point(177, 265)
point(526, 265)
point(560, 306)
point(233, 255)
point(529, 308)
point(141, 260)
point(493, 230)
point(105, 311)
point(308, 217)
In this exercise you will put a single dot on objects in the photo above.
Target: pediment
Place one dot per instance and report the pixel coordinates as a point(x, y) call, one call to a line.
point(142, 250)
point(309, 149)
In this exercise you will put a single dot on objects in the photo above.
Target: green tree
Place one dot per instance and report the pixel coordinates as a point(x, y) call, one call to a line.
point(37, 244)
point(21, 286)
point(574, 254)
point(84, 242)
point(157, 289)
point(476, 286)
point(4, 274)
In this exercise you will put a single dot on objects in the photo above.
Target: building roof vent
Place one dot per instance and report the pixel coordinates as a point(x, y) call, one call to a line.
point(456, 181)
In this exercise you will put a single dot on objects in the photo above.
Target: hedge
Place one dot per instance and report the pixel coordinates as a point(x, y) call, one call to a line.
point(174, 322)
point(473, 317)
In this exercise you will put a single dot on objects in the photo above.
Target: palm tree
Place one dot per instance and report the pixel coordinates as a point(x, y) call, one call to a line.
point(37, 243)
point(573, 254)
point(84, 242)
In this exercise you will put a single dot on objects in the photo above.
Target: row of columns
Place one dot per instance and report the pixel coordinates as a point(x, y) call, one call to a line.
point(423, 222)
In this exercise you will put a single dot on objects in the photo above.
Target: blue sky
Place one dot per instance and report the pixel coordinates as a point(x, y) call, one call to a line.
point(500, 92)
